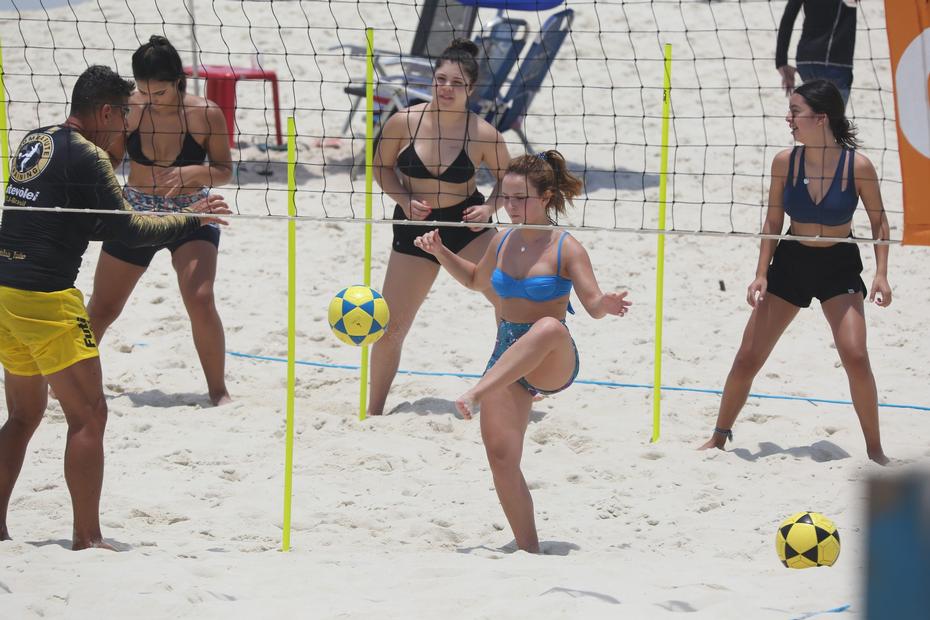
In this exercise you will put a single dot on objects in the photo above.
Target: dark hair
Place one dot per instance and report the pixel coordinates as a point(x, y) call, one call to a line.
point(99, 85)
point(824, 97)
point(158, 60)
point(464, 53)
point(548, 171)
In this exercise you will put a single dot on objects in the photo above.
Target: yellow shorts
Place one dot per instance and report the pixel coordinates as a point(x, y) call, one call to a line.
point(42, 333)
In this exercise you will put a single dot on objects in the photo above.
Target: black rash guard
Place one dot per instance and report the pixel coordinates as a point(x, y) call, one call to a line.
point(57, 167)
point(828, 36)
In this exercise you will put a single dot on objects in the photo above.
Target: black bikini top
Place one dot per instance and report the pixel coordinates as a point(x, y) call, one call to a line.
point(192, 154)
point(461, 170)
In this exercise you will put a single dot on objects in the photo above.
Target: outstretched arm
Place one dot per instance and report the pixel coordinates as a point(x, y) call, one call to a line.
point(475, 277)
point(595, 302)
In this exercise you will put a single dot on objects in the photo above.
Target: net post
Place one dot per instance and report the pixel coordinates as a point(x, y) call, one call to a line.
point(291, 327)
point(369, 178)
point(660, 250)
point(4, 129)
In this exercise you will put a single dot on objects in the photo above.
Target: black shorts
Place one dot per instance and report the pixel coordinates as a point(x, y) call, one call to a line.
point(142, 256)
point(799, 273)
point(453, 237)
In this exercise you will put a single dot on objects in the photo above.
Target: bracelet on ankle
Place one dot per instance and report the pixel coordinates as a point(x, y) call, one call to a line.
point(724, 431)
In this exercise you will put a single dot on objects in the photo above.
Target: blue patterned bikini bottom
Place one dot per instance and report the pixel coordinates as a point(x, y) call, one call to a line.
point(507, 334)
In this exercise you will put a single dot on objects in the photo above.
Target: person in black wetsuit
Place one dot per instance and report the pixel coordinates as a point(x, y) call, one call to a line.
point(45, 335)
point(426, 161)
point(178, 148)
point(825, 49)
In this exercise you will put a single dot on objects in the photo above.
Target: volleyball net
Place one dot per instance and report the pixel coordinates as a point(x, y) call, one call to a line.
point(598, 100)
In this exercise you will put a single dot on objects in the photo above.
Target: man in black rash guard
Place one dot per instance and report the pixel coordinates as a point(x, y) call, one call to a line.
point(825, 50)
point(45, 336)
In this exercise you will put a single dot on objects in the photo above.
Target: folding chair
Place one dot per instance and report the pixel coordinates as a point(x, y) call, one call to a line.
point(508, 112)
point(498, 52)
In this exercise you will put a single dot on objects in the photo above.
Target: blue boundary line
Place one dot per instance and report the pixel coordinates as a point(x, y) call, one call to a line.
point(465, 375)
point(835, 610)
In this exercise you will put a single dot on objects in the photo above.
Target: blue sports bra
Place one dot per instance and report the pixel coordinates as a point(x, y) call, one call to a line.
point(837, 205)
point(535, 288)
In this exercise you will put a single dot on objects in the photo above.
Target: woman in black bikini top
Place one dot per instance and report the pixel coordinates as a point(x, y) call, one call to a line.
point(178, 149)
point(427, 162)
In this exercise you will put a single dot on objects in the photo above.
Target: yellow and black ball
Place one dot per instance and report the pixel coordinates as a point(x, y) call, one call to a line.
point(807, 539)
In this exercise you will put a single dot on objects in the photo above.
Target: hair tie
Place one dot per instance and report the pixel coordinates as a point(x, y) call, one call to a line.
point(543, 156)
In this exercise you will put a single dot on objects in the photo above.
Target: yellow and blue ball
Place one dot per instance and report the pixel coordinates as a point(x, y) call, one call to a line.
point(358, 315)
point(807, 539)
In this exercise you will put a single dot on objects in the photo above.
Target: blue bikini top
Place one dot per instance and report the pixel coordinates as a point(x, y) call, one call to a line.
point(837, 205)
point(535, 288)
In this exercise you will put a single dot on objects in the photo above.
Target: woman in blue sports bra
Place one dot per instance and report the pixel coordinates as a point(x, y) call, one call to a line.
point(178, 149)
point(427, 161)
point(818, 185)
point(533, 271)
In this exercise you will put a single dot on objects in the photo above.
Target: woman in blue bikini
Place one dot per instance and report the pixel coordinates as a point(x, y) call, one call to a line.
point(533, 271)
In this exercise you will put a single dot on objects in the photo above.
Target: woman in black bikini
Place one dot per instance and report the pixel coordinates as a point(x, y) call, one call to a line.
point(436, 148)
point(178, 149)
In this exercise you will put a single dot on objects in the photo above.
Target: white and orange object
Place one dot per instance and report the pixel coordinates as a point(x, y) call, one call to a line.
point(909, 42)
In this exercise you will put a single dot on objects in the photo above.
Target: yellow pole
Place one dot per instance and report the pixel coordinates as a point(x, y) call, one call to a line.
point(4, 133)
point(660, 252)
point(291, 326)
point(369, 179)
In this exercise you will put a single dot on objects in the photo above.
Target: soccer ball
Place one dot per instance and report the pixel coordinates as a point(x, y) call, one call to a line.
point(358, 315)
point(807, 539)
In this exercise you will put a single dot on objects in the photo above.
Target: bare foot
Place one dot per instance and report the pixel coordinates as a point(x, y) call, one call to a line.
point(222, 399)
point(466, 405)
point(91, 544)
point(879, 457)
point(717, 441)
point(4, 533)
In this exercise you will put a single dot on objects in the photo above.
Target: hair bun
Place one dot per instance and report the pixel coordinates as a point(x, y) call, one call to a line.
point(157, 39)
point(466, 45)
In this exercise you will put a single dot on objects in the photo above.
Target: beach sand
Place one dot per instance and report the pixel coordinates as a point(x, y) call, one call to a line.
point(397, 517)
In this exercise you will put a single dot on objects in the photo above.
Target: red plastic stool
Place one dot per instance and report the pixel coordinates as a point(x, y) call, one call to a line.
point(221, 90)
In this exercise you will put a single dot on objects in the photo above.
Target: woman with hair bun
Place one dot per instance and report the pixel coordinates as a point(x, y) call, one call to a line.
point(533, 271)
point(818, 185)
point(178, 149)
point(426, 161)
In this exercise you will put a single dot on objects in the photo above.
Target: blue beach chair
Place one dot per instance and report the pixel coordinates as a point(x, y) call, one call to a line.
point(507, 112)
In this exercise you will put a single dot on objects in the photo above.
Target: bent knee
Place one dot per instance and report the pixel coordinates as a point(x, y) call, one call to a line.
point(502, 454)
point(550, 326)
point(855, 360)
point(747, 363)
point(92, 416)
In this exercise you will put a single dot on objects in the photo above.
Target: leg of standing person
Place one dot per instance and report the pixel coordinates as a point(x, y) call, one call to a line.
point(114, 281)
point(195, 264)
point(406, 283)
point(26, 399)
point(545, 356)
point(79, 389)
point(504, 417)
point(845, 313)
point(766, 325)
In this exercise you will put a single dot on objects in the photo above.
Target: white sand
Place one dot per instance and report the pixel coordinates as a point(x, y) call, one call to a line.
point(396, 517)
